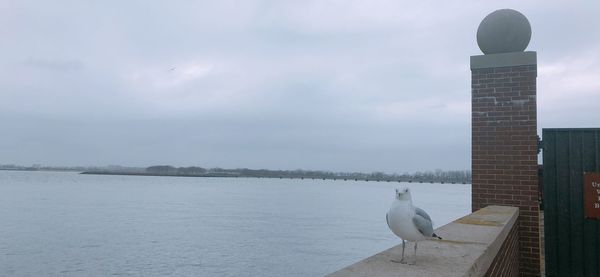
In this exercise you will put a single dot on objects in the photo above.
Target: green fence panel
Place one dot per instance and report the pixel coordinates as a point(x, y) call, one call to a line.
point(572, 242)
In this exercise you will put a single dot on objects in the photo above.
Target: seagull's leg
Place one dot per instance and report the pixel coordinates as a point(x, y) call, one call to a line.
point(415, 260)
point(402, 261)
point(403, 246)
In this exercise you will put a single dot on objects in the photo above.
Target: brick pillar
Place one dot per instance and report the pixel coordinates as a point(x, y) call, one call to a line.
point(504, 144)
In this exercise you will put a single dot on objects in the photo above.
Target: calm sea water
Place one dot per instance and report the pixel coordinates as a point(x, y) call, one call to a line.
point(67, 224)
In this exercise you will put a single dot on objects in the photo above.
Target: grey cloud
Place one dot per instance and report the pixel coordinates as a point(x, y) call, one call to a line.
point(61, 65)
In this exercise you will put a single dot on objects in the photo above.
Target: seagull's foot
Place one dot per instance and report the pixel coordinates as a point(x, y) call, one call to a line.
point(402, 261)
point(413, 262)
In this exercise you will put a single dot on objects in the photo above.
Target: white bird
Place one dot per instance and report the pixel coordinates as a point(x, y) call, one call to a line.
point(409, 222)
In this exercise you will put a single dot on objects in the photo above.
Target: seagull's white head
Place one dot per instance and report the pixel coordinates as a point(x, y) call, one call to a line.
point(403, 193)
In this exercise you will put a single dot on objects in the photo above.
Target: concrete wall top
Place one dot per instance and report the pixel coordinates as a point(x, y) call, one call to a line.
point(469, 246)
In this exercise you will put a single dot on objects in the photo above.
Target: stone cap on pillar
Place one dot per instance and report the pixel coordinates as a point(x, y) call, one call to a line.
point(502, 36)
point(504, 59)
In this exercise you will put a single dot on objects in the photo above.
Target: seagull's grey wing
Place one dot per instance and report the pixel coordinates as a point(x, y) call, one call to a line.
point(423, 222)
point(422, 213)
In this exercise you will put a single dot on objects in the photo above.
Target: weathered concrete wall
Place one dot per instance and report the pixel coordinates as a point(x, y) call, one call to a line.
point(469, 248)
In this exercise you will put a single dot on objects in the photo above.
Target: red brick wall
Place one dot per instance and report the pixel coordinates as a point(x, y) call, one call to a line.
point(504, 150)
point(506, 262)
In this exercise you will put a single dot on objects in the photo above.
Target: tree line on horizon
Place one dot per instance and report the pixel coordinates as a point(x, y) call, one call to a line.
point(437, 176)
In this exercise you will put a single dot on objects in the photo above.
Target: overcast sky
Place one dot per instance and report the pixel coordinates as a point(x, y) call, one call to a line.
point(330, 85)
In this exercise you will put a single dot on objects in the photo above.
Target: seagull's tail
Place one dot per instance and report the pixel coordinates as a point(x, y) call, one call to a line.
point(436, 236)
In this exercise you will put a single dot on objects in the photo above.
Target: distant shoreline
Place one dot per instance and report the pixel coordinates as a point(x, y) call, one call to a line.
point(19, 169)
point(438, 176)
point(31, 169)
point(159, 174)
point(225, 175)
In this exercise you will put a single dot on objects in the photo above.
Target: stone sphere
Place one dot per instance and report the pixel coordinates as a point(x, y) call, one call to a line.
point(503, 31)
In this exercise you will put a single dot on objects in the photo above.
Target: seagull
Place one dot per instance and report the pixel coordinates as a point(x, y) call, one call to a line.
point(409, 222)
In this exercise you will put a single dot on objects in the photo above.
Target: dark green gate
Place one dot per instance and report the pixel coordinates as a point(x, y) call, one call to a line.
point(572, 242)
